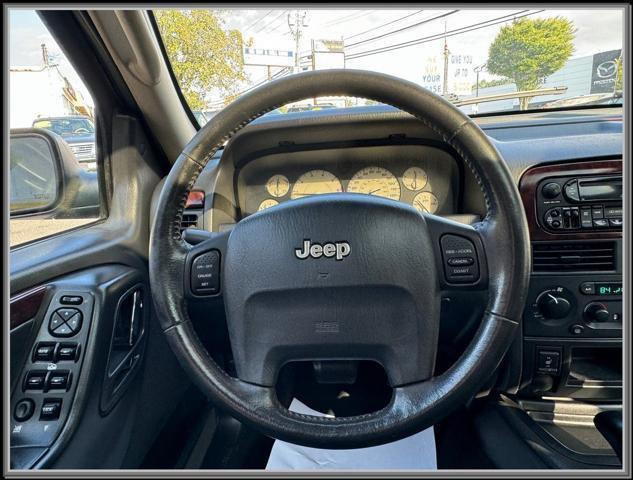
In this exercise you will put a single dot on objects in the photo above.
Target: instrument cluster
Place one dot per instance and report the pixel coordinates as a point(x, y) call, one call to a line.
point(427, 183)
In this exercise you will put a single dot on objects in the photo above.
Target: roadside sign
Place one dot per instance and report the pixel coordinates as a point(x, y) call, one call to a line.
point(273, 57)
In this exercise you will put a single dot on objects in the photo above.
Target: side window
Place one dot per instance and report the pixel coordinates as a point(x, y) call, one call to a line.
point(53, 149)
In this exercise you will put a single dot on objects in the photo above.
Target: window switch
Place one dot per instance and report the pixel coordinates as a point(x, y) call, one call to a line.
point(67, 352)
point(35, 380)
point(58, 380)
point(51, 408)
point(44, 352)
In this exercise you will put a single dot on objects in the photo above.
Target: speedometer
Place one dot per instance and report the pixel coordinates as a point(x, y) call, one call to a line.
point(315, 182)
point(375, 181)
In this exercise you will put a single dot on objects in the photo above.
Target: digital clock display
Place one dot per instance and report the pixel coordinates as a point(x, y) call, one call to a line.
point(603, 289)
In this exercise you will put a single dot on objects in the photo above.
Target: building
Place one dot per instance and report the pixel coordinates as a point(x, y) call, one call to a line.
point(42, 92)
point(591, 74)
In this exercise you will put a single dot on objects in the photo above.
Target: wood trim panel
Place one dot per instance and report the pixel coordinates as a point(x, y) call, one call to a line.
point(24, 306)
point(533, 176)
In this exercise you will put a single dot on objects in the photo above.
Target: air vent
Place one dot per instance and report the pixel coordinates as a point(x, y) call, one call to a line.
point(188, 220)
point(573, 257)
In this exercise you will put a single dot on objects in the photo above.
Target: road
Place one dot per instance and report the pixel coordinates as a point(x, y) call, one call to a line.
point(24, 230)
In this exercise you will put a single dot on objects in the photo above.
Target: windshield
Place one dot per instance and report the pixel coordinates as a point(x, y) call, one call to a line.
point(66, 127)
point(481, 60)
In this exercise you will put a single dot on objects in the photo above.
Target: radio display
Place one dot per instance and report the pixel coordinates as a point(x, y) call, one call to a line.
point(611, 288)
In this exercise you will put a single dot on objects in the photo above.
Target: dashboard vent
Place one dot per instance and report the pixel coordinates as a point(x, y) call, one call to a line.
point(573, 257)
point(188, 220)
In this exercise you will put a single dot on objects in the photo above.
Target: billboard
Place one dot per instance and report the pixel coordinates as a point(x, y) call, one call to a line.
point(604, 71)
point(327, 54)
point(273, 57)
point(460, 74)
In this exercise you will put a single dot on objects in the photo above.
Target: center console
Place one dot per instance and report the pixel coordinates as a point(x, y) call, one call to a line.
point(572, 324)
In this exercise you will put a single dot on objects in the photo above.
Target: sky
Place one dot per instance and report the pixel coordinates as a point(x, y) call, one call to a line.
point(597, 31)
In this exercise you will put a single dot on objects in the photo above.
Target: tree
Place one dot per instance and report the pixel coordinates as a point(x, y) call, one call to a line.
point(204, 55)
point(530, 50)
point(619, 76)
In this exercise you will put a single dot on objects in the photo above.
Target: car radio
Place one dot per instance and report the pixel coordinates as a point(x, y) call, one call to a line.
point(580, 203)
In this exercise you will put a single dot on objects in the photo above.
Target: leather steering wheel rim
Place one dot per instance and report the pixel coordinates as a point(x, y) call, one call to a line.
point(412, 407)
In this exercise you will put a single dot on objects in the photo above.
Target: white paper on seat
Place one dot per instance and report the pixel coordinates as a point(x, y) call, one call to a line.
point(416, 452)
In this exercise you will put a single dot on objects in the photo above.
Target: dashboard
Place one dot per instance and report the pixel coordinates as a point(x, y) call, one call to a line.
point(571, 337)
point(422, 176)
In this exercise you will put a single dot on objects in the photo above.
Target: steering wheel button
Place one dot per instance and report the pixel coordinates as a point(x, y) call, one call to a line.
point(459, 261)
point(205, 273)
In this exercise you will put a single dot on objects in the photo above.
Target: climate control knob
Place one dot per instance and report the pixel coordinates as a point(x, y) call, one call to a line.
point(554, 303)
point(597, 312)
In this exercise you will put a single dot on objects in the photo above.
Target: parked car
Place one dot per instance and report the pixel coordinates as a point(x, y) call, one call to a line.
point(79, 133)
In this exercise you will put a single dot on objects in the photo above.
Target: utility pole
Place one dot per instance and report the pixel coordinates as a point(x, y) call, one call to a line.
point(45, 55)
point(446, 53)
point(295, 26)
point(477, 70)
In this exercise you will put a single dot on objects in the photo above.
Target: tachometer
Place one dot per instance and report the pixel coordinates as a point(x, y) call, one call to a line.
point(315, 182)
point(375, 181)
point(425, 202)
point(277, 185)
point(415, 178)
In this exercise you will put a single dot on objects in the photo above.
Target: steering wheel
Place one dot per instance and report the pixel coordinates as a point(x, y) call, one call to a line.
point(81, 130)
point(342, 276)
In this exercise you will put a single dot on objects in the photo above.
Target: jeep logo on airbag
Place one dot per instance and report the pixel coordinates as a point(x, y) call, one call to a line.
point(338, 250)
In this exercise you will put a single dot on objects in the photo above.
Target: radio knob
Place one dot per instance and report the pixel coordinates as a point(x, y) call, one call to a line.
point(597, 312)
point(551, 190)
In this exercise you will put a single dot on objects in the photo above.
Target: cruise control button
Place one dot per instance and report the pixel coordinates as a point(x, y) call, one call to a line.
point(459, 261)
point(205, 273)
point(51, 408)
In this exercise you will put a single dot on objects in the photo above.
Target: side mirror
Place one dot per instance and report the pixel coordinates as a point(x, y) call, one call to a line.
point(46, 179)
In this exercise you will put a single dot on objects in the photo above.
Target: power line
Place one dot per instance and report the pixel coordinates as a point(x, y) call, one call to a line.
point(257, 20)
point(430, 38)
point(336, 21)
point(272, 21)
point(383, 25)
point(377, 37)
